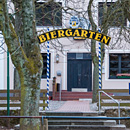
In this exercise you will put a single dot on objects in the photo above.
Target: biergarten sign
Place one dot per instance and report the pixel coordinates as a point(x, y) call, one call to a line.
point(73, 32)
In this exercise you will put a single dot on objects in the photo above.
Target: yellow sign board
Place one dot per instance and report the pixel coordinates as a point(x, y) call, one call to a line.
point(74, 33)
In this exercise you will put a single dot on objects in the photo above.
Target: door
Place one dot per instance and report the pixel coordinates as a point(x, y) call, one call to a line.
point(79, 73)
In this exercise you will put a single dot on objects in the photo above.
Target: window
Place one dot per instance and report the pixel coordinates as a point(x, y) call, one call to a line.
point(119, 64)
point(114, 21)
point(49, 14)
point(44, 72)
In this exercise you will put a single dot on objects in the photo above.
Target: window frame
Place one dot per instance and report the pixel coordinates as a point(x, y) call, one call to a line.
point(100, 18)
point(54, 21)
point(119, 68)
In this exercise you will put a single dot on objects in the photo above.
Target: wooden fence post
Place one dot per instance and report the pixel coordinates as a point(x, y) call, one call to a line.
point(54, 87)
point(44, 95)
point(44, 124)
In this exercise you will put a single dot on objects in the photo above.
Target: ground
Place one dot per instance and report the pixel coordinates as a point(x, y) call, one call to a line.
point(77, 106)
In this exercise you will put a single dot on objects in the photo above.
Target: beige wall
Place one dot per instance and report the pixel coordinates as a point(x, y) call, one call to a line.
point(11, 72)
point(68, 46)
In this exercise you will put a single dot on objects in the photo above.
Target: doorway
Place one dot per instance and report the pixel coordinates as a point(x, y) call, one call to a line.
point(79, 71)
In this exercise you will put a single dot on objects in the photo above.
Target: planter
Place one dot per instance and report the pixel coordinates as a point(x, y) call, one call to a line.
point(123, 76)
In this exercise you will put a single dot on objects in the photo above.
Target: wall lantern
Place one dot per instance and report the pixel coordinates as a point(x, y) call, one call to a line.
point(57, 58)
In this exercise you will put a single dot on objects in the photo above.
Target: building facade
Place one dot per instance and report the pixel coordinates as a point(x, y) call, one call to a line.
point(70, 58)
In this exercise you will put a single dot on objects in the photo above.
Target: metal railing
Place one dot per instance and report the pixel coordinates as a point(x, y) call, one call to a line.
point(70, 117)
point(112, 99)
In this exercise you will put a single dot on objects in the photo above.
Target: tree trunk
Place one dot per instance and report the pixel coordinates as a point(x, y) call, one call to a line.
point(30, 75)
point(19, 32)
point(95, 82)
point(16, 80)
point(17, 85)
point(94, 54)
point(28, 61)
point(30, 94)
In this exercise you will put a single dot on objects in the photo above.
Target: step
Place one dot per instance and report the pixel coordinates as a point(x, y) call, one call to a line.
point(73, 95)
point(52, 113)
point(80, 127)
point(72, 98)
point(74, 92)
point(69, 99)
point(86, 127)
point(65, 92)
point(64, 95)
point(81, 122)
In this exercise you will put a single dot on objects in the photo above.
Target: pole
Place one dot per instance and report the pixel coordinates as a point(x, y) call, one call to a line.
point(100, 74)
point(119, 112)
point(99, 101)
point(60, 88)
point(8, 85)
point(48, 73)
point(99, 56)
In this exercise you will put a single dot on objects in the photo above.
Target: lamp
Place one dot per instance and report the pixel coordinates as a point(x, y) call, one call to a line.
point(57, 58)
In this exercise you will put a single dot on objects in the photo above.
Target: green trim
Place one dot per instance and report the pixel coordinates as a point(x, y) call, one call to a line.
point(8, 85)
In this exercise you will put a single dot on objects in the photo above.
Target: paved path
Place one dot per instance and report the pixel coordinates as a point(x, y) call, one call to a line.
point(67, 106)
point(74, 106)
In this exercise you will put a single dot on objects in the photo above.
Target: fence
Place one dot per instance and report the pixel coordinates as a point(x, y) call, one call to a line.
point(15, 97)
point(116, 94)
